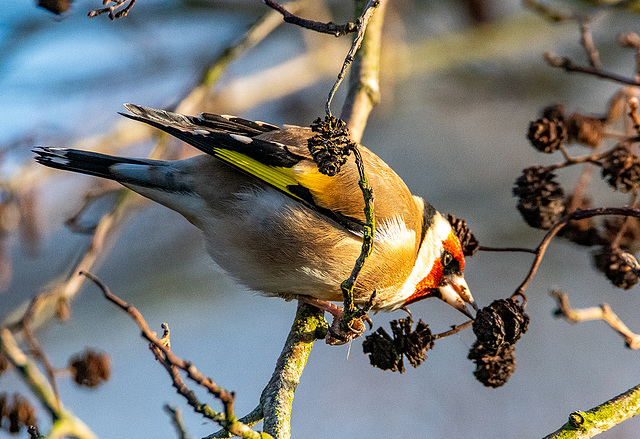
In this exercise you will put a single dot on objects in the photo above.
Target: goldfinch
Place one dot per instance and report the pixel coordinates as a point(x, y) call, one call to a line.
point(279, 226)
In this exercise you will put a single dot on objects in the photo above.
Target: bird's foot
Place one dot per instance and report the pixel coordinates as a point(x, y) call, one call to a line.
point(346, 325)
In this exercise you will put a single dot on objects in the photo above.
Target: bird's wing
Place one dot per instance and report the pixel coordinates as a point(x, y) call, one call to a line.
point(280, 158)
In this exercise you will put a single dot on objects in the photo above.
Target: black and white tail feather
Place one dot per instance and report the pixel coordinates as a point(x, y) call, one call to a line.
point(85, 162)
point(210, 133)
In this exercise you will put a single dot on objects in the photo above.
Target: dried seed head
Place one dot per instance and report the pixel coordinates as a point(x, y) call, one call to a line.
point(586, 130)
point(540, 197)
point(4, 406)
point(56, 6)
point(21, 413)
point(331, 147)
point(546, 135)
point(582, 232)
point(91, 368)
point(554, 112)
point(468, 241)
point(503, 321)
point(630, 239)
point(621, 169)
point(611, 262)
point(382, 351)
point(387, 353)
point(4, 363)
point(494, 366)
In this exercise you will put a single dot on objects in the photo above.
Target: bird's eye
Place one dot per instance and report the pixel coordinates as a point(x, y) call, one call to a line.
point(447, 257)
point(450, 265)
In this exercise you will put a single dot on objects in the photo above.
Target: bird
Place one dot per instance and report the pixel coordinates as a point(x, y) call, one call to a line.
point(278, 225)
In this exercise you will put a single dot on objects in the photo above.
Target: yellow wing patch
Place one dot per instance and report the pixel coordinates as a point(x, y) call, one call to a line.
point(322, 187)
point(277, 176)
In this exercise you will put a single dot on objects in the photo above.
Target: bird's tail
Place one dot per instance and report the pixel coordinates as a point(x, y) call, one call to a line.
point(84, 162)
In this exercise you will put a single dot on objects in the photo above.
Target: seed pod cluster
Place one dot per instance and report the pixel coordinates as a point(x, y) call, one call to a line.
point(610, 261)
point(18, 412)
point(621, 169)
point(90, 369)
point(540, 197)
point(467, 239)
point(331, 147)
point(387, 352)
point(497, 328)
point(555, 129)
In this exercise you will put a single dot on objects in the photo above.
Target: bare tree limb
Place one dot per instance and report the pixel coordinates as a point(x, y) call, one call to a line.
point(575, 215)
point(325, 28)
point(602, 312)
point(364, 84)
point(171, 362)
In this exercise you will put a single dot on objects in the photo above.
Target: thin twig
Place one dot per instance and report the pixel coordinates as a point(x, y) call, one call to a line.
point(176, 420)
point(113, 9)
point(570, 66)
point(576, 215)
point(633, 113)
point(64, 423)
point(171, 362)
point(254, 34)
point(364, 80)
point(326, 28)
point(369, 10)
point(74, 221)
point(38, 353)
point(586, 38)
point(367, 238)
point(506, 249)
point(453, 330)
point(569, 161)
point(547, 12)
point(602, 312)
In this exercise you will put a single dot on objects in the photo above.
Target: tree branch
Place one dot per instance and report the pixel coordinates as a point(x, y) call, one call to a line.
point(171, 362)
point(364, 87)
point(582, 425)
point(602, 312)
point(575, 215)
point(571, 66)
point(325, 28)
point(363, 21)
point(277, 398)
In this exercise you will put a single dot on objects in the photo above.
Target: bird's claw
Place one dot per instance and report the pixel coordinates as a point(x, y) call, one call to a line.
point(345, 328)
point(350, 324)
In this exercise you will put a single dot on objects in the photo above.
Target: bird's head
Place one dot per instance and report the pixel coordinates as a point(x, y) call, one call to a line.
point(441, 254)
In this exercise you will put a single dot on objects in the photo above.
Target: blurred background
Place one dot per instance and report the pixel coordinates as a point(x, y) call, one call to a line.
point(460, 85)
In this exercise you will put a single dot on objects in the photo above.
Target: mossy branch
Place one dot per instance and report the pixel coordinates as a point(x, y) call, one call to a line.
point(277, 397)
point(582, 425)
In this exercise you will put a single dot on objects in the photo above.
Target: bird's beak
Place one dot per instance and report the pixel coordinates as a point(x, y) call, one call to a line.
point(456, 293)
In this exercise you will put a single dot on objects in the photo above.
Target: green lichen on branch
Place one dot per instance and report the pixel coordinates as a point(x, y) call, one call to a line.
point(277, 398)
point(350, 312)
point(582, 425)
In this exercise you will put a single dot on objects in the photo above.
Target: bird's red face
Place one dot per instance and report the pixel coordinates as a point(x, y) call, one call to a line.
point(445, 279)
